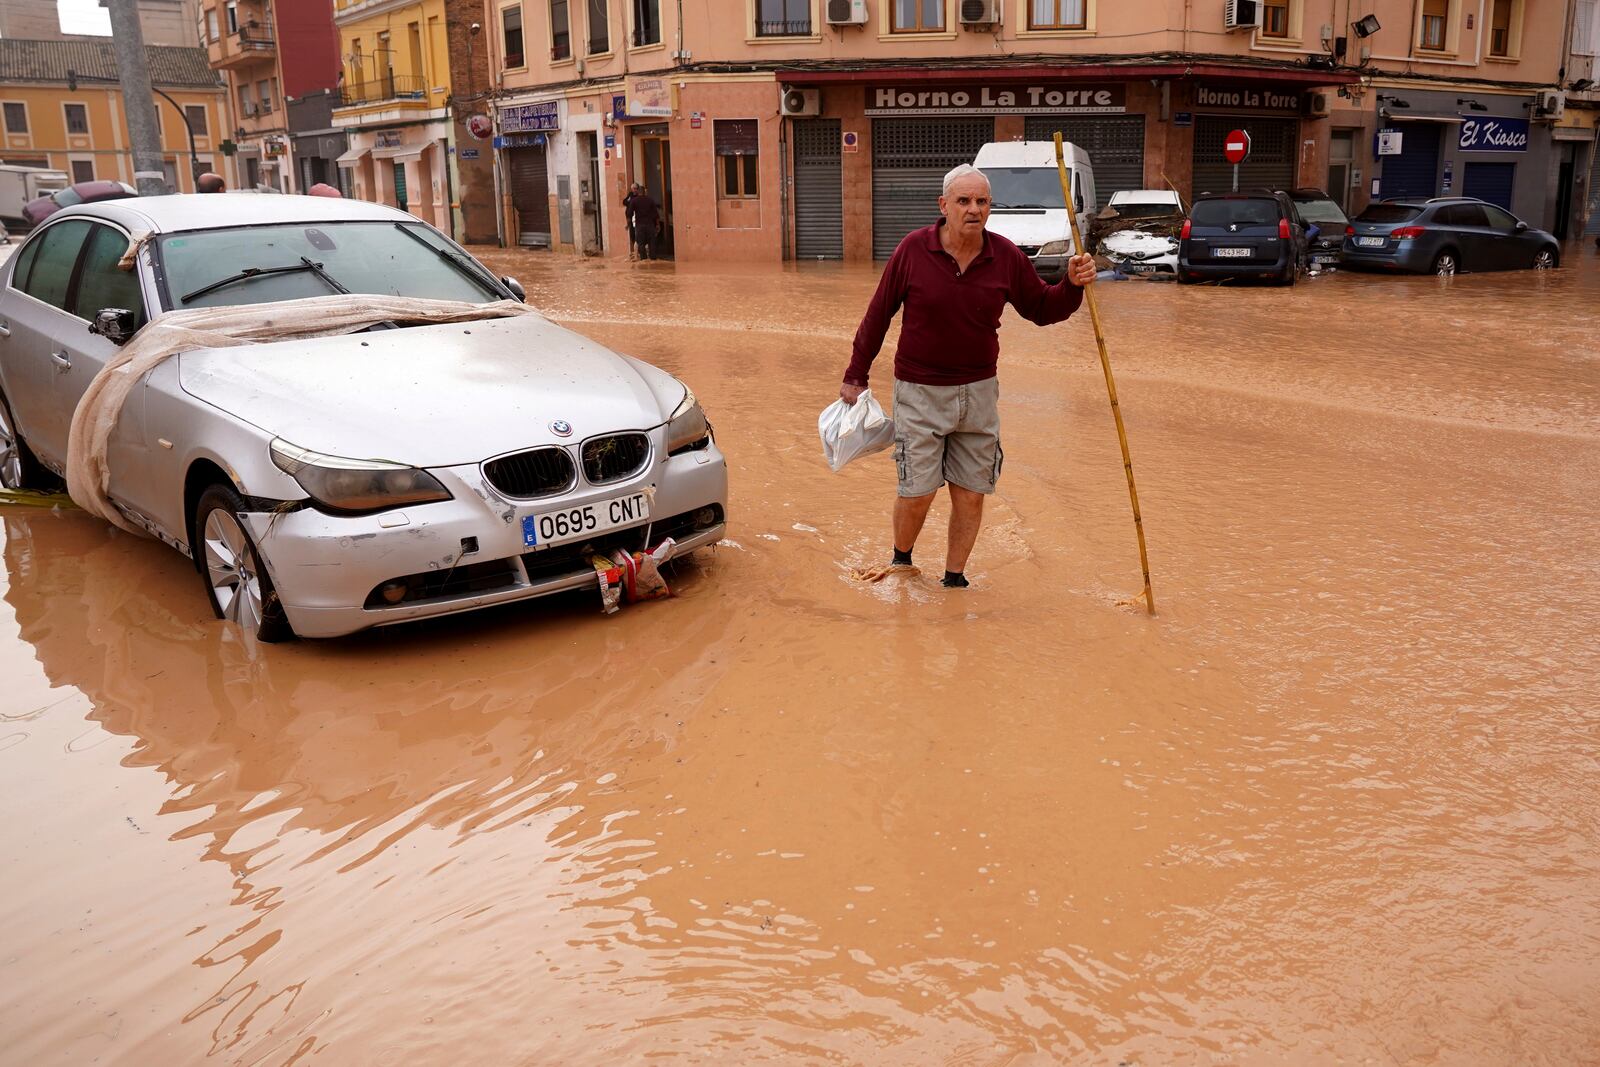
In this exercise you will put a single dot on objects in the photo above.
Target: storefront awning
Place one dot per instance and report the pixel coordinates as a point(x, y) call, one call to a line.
point(1421, 116)
point(350, 158)
point(401, 152)
point(1301, 77)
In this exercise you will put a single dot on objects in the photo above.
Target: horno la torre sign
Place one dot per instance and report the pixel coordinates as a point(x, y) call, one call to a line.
point(1068, 98)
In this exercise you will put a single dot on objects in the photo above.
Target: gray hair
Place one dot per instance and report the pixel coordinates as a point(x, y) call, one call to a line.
point(961, 172)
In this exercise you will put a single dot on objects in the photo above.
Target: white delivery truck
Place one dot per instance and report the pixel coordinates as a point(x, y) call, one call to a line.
point(1028, 206)
point(18, 185)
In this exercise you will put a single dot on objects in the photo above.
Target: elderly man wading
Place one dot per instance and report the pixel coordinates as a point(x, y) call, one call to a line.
point(953, 279)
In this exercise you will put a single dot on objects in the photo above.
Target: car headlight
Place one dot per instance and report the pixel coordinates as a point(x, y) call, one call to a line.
point(687, 429)
point(1057, 248)
point(356, 486)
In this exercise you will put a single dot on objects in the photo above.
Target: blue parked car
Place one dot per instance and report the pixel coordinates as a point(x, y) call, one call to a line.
point(1445, 236)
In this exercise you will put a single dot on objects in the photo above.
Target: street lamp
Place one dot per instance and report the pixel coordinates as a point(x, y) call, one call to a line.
point(1366, 26)
point(73, 78)
point(1467, 101)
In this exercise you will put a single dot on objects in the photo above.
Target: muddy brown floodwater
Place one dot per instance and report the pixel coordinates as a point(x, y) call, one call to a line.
point(1336, 804)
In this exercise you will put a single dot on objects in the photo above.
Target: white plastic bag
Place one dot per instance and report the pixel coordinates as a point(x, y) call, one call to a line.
point(850, 431)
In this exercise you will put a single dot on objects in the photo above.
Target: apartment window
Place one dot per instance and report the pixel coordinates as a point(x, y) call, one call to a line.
point(16, 118)
point(511, 35)
point(211, 24)
point(233, 18)
point(599, 26)
point(738, 145)
point(1500, 29)
point(783, 18)
point(1056, 15)
point(560, 30)
point(266, 96)
point(1275, 19)
point(1435, 16)
point(82, 170)
point(918, 16)
point(77, 118)
point(646, 22)
point(196, 114)
point(246, 105)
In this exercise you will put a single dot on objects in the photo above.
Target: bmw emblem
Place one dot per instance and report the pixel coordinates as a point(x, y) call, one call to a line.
point(561, 428)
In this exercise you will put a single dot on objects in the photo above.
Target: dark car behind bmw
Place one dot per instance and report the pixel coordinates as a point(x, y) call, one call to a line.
point(1241, 235)
point(1444, 236)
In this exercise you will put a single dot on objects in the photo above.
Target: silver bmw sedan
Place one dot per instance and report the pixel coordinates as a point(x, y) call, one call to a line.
point(324, 486)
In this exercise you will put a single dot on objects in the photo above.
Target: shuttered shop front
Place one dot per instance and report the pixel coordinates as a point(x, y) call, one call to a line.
point(910, 157)
point(818, 190)
point(1273, 151)
point(1115, 144)
point(530, 195)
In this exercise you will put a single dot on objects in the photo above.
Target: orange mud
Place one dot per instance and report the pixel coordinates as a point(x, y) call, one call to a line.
point(1336, 804)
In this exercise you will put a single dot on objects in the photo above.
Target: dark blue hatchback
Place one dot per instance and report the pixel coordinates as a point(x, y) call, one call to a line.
point(1445, 236)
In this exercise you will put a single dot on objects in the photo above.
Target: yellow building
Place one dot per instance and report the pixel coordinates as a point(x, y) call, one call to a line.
point(393, 103)
point(85, 133)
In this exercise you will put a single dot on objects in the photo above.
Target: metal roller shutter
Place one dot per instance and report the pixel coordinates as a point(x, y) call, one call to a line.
point(1115, 144)
point(910, 158)
point(1490, 181)
point(1591, 228)
point(1415, 171)
point(530, 195)
point(1273, 144)
point(818, 190)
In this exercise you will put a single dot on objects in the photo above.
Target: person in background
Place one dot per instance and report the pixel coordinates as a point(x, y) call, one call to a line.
point(324, 189)
point(646, 222)
point(210, 183)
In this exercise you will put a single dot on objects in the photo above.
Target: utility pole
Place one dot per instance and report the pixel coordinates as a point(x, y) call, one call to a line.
point(138, 101)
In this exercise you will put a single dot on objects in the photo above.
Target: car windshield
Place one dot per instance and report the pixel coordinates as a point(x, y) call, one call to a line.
point(1322, 211)
point(391, 259)
point(1025, 186)
point(1385, 213)
point(1235, 212)
point(1145, 209)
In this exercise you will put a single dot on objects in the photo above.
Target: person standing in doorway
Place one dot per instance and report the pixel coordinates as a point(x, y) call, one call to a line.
point(627, 214)
point(953, 279)
point(646, 222)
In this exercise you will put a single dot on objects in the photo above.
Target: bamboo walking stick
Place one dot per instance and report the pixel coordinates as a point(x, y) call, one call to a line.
point(1111, 385)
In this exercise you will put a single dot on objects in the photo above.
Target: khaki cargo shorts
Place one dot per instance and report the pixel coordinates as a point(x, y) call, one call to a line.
point(947, 433)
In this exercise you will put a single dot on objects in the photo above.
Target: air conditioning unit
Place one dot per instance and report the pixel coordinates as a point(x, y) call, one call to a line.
point(1316, 105)
point(980, 12)
point(1552, 104)
point(847, 12)
point(801, 102)
point(1241, 14)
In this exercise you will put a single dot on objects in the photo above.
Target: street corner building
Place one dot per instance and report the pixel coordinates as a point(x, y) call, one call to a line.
point(771, 130)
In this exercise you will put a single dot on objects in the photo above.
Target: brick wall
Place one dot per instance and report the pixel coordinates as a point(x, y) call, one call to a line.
point(469, 88)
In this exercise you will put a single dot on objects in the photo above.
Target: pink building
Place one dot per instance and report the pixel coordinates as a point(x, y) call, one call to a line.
point(784, 129)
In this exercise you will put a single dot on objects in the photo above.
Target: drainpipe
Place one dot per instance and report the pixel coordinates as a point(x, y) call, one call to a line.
point(783, 183)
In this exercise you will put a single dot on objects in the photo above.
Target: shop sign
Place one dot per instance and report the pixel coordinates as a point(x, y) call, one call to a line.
point(649, 98)
point(850, 141)
point(272, 147)
point(469, 153)
point(1494, 135)
point(619, 106)
point(530, 118)
point(520, 140)
point(1236, 99)
point(386, 139)
point(1070, 98)
point(480, 126)
point(1389, 142)
point(1183, 118)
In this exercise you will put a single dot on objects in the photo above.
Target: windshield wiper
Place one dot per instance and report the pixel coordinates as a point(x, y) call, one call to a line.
point(458, 260)
point(262, 272)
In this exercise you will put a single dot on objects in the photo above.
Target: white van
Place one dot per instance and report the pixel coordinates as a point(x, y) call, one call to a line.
point(1028, 207)
point(19, 185)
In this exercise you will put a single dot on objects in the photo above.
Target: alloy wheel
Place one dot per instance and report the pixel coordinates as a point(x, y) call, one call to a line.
point(10, 454)
point(1545, 260)
point(230, 568)
point(1445, 265)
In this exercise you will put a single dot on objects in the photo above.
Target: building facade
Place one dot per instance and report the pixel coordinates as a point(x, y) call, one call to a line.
point(394, 104)
point(84, 131)
point(778, 129)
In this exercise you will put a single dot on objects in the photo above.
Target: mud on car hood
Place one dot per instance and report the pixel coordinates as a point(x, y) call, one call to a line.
point(433, 396)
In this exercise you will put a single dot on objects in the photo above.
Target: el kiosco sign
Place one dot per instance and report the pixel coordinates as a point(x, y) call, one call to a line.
point(1493, 135)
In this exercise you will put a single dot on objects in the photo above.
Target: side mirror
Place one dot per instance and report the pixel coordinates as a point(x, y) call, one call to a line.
point(1521, 225)
point(116, 325)
point(516, 288)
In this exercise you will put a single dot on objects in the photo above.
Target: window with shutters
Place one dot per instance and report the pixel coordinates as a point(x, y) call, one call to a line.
point(77, 118)
point(560, 30)
point(916, 16)
point(196, 113)
point(82, 170)
point(16, 117)
point(1057, 15)
point(738, 150)
point(1586, 30)
point(511, 36)
point(646, 23)
point(1275, 19)
point(599, 26)
point(1434, 32)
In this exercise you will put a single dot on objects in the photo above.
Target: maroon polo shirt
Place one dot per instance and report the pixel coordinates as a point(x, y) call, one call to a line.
point(950, 332)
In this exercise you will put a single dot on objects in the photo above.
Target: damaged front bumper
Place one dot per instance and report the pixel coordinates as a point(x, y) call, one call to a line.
point(335, 574)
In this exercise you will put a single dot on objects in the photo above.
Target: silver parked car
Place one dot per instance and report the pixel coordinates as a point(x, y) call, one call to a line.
point(328, 485)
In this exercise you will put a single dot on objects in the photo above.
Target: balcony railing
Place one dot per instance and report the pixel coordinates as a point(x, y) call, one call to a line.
point(783, 28)
point(257, 38)
point(389, 87)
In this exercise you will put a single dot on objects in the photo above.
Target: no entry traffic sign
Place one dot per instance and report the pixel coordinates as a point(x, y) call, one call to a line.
point(1236, 148)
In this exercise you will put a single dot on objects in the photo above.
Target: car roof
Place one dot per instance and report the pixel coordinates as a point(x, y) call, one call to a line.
point(1154, 196)
point(211, 211)
point(1264, 194)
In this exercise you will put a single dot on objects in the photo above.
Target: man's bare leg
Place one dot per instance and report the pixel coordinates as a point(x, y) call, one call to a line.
point(910, 512)
point(966, 517)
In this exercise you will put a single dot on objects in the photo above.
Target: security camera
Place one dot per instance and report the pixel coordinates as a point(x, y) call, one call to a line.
point(1367, 25)
point(476, 28)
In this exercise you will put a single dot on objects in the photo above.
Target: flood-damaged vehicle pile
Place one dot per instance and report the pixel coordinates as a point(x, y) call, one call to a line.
point(324, 485)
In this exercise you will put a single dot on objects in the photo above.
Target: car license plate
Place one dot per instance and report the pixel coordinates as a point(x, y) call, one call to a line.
point(1231, 253)
point(574, 523)
point(1324, 258)
point(1138, 268)
point(1370, 242)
